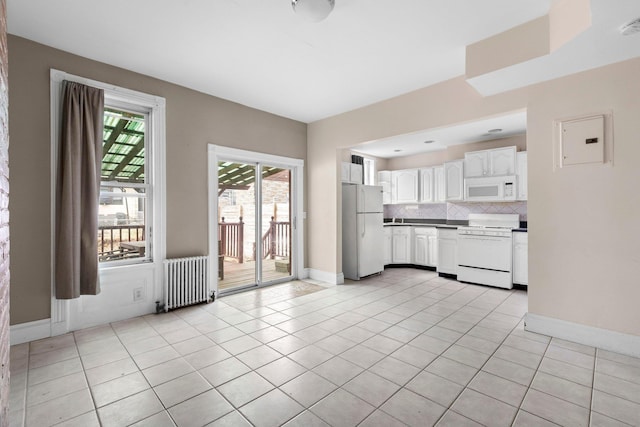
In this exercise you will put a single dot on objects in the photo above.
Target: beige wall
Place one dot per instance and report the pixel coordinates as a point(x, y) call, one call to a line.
point(193, 120)
point(584, 261)
point(454, 152)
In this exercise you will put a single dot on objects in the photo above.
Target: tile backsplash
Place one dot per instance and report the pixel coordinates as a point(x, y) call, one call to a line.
point(454, 211)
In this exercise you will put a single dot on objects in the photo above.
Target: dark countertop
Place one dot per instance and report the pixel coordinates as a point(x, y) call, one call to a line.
point(439, 223)
point(421, 222)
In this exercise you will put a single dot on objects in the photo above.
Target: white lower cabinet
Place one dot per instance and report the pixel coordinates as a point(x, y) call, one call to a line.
point(401, 245)
point(425, 247)
point(447, 249)
point(388, 237)
point(520, 258)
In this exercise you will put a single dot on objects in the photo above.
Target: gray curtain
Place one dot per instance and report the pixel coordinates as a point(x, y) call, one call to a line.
point(78, 191)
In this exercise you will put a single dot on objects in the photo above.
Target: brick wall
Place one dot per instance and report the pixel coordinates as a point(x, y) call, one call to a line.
point(4, 219)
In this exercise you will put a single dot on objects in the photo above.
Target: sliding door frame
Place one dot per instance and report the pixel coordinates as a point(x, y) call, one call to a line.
point(218, 153)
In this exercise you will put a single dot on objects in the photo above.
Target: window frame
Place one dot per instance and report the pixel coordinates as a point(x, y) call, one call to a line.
point(155, 152)
point(369, 165)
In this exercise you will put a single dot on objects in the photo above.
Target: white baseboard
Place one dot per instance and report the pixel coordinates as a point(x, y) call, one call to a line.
point(583, 334)
point(324, 276)
point(304, 273)
point(30, 331)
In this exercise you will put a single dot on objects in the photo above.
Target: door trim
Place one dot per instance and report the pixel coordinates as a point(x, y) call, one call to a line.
point(216, 152)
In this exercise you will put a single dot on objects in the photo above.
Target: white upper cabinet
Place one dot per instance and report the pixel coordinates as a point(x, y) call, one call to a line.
point(438, 184)
point(427, 185)
point(351, 173)
point(384, 180)
point(502, 161)
point(521, 174)
point(404, 188)
point(345, 172)
point(454, 180)
point(499, 161)
point(476, 163)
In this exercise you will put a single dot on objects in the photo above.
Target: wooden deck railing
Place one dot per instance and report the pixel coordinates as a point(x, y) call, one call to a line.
point(231, 235)
point(275, 241)
point(110, 237)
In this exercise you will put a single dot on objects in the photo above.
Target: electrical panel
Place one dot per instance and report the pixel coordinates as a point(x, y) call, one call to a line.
point(582, 141)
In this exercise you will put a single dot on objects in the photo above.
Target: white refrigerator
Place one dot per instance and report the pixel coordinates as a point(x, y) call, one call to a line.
point(362, 232)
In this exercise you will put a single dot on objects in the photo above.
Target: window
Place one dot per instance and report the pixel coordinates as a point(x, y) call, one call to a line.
point(124, 187)
point(369, 171)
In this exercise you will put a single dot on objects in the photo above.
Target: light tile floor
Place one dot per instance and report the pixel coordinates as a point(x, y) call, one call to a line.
point(405, 348)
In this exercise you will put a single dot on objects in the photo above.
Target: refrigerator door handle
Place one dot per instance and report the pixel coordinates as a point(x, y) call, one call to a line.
point(364, 228)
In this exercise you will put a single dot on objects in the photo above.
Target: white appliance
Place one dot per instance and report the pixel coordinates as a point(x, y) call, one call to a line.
point(485, 249)
point(362, 231)
point(490, 189)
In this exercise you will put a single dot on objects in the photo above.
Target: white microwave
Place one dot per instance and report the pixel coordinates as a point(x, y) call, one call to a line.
point(490, 189)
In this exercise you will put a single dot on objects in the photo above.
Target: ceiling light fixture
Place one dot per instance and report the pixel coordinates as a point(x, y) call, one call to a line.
point(629, 28)
point(497, 130)
point(313, 10)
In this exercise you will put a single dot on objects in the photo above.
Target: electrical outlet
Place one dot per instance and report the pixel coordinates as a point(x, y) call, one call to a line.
point(138, 294)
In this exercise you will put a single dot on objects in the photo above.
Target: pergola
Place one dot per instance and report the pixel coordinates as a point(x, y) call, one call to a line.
point(123, 147)
point(239, 176)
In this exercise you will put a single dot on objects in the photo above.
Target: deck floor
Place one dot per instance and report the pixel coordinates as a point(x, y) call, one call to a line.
point(236, 274)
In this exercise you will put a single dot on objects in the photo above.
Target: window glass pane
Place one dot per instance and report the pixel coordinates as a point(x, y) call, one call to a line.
point(122, 224)
point(123, 151)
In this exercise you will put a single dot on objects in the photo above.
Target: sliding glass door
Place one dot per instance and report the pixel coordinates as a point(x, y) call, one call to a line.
point(254, 224)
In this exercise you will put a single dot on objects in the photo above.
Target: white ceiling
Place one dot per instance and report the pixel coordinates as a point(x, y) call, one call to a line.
point(260, 54)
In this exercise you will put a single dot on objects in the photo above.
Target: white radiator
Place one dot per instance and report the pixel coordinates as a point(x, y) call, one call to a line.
point(186, 281)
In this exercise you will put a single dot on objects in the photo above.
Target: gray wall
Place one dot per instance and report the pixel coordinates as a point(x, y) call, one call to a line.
point(193, 121)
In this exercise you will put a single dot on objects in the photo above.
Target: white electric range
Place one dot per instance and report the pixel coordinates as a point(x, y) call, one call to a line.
point(485, 249)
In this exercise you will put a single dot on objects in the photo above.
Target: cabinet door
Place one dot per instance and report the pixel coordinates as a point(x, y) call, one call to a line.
point(387, 245)
point(356, 173)
point(521, 174)
point(433, 250)
point(502, 161)
point(438, 184)
point(520, 258)
point(421, 249)
point(427, 185)
point(447, 258)
point(453, 178)
point(401, 246)
point(346, 172)
point(405, 186)
point(475, 163)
